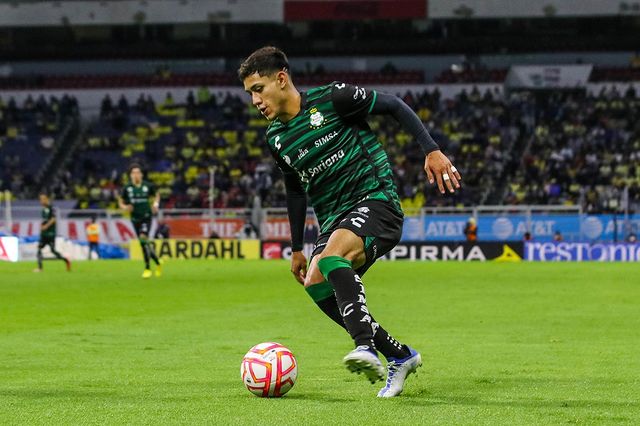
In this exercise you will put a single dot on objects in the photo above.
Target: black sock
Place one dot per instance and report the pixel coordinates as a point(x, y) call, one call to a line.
point(385, 343)
point(145, 253)
point(39, 258)
point(353, 305)
point(152, 253)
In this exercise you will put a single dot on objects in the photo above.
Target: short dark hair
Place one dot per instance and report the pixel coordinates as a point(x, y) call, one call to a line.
point(264, 61)
point(134, 166)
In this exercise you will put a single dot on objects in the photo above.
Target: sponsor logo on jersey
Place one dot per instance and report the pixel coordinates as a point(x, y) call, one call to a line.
point(302, 153)
point(325, 139)
point(325, 164)
point(277, 142)
point(316, 119)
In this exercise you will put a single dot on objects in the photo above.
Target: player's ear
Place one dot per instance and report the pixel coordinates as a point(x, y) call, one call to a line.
point(282, 78)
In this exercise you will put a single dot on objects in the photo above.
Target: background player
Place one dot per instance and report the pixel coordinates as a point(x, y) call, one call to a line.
point(136, 199)
point(48, 233)
point(325, 148)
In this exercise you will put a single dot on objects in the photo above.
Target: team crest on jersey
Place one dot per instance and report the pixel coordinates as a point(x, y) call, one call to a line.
point(316, 119)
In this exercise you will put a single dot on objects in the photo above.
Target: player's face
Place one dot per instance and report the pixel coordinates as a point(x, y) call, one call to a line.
point(267, 93)
point(44, 200)
point(136, 176)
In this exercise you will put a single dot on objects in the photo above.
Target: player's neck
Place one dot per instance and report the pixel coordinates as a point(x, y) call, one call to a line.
point(291, 106)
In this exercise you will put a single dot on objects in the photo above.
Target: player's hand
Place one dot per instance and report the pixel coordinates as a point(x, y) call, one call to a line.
point(129, 208)
point(299, 266)
point(154, 209)
point(439, 169)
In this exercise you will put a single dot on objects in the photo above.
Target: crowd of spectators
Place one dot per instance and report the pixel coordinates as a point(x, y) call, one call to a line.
point(517, 148)
point(584, 150)
point(27, 136)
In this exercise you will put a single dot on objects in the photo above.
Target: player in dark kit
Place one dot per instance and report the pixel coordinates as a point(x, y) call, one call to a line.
point(135, 198)
point(48, 233)
point(326, 151)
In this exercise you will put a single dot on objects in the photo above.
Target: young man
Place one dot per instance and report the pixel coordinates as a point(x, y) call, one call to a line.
point(135, 198)
point(48, 233)
point(325, 149)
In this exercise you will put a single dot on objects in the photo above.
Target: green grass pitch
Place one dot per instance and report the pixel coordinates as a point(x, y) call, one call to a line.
point(528, 343)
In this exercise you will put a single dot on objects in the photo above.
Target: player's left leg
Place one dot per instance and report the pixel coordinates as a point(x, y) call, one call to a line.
point(52, 246)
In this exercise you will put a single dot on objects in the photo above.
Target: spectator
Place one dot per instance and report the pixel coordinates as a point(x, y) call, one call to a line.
point(471, 230)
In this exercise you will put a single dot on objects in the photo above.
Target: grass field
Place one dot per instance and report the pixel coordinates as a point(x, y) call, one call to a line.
point(527, 343)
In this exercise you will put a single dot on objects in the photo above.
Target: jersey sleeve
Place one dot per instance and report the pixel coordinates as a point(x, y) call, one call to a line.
point(296, 203)
point(352, 103)
point(124, 194)
point(52, 213)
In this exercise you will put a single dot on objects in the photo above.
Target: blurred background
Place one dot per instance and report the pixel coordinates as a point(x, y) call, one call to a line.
point(536, 103)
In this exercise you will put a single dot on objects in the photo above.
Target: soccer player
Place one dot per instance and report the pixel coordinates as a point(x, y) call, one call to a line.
point(135, 198)
point(325, 149)
point(48, 233)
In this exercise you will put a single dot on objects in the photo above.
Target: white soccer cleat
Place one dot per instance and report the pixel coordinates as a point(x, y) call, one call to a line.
point(398, 370)
point(363, 360)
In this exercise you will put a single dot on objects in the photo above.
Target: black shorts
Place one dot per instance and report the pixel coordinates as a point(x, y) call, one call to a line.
point(377, 222)
point(46, 240)
point(142, 227)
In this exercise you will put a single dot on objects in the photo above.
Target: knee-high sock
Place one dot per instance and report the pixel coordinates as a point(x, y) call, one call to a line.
point(350, 297)
point(152, 253)
point(145, 253)
point(324, 296)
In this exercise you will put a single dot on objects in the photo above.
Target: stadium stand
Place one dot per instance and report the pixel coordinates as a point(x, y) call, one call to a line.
point(28, 136)
point(570, 148)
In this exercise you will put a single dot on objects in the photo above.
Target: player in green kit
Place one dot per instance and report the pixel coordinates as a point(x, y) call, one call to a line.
point(48, 233)
point(327, 152)
point(135, 198)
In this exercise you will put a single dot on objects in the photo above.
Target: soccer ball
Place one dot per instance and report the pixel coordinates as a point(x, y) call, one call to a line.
point(269, 369)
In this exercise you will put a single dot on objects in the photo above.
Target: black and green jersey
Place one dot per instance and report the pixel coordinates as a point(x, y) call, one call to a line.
point(333, 152)
point(48, 213)
point(138, 196)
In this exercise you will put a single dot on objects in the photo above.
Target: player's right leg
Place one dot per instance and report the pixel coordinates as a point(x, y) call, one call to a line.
point(141, 231)
point(145, 253)
point(41, 245)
